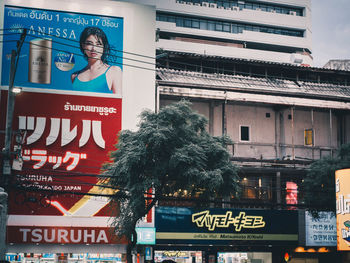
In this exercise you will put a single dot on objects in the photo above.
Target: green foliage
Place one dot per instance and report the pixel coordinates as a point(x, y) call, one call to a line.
point(319, 183)
point(171, 151)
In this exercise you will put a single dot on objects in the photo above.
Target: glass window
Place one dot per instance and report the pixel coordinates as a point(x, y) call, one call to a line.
point(250, 28)
point(162, 18)
point(218, 26)
point(211, 26)
point(244, 133)
point(187, 23)
point(195, 23)
point(203, 24)
point(179, 21)
point(257, 187)
point(249, 6)
point(308, 137)
point(234, 29)
point(226, 27)
point(171, 19)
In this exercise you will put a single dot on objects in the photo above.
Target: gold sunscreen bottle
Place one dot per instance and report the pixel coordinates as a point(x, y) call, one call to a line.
point(39, 70)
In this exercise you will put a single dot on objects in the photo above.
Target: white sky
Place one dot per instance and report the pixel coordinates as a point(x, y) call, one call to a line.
point(330, 30)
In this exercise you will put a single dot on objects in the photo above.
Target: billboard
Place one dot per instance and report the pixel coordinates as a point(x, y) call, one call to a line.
point(342, 189)
point(65, 40)
point(77, 69)
point(225, 226)
point(66, 141)
point(64, 50)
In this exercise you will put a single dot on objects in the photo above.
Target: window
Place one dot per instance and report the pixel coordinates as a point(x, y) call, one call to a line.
point(244, 133)
point(308, 137)
point(203, 24)
point(218, 26)
point(226, 27)
point(187, 23)
point(259, 188)
point(195, 23)
point(214, 25)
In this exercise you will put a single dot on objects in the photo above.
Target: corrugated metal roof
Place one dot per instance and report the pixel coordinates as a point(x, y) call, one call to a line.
point(262, 62)
point(253, 84)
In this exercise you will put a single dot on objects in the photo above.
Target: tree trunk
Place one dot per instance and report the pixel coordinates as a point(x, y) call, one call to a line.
point(128, 253)
point(131, 245)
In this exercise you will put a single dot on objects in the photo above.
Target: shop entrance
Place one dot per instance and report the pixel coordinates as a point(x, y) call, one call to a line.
point(64, 258)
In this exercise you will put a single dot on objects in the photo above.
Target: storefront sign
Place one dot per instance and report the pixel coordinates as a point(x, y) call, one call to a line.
point(321, 231)
point(222, 225)
point(342, 186)
point(62, 235)
point(211, 222)
point(66, 140)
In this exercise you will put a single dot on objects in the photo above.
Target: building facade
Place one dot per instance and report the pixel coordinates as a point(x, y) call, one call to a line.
point(276, 31)
point(242, 65)
point(279, 124)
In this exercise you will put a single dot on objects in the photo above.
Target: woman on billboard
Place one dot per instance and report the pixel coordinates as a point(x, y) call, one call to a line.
point(97, 76)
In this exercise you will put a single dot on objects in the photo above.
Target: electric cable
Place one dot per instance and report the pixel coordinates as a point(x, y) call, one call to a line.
point(262, 76)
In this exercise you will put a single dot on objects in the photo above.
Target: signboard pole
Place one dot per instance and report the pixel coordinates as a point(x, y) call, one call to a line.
point(8, 135)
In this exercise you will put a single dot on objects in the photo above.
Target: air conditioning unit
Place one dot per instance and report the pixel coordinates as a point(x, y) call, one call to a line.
point(205, 4)
point(235, 8)
point(213, 5)
point(293, 13)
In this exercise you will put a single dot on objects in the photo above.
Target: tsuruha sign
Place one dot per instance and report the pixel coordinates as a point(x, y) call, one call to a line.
point(61, 235)
point(66, 141)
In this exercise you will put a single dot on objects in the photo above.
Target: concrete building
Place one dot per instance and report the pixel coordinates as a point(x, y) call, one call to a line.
point(242, 65)
point(280, 122)
point(271, 30)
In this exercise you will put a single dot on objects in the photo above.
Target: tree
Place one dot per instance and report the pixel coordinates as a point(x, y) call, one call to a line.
point(319, 183)
point(170, 152)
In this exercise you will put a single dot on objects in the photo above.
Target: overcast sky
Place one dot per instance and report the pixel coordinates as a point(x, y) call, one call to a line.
point(330, 30)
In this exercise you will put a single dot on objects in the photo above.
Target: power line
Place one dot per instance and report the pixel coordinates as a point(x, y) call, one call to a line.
point(213, 69)
point(76, 41)
point(182, 72)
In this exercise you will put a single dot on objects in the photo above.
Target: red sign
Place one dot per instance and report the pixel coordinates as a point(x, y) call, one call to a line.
point(67, 138)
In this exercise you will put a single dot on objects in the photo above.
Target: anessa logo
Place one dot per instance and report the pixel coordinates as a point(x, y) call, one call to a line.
point(211, 222)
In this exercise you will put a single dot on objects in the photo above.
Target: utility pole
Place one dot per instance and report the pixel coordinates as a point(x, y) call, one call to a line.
point(6, 153)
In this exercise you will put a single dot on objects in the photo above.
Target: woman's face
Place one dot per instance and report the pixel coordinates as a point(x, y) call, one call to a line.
point(93, 47)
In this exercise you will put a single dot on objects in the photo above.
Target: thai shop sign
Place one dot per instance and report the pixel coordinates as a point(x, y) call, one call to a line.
point(342, 189)
point(321, 231)
point(187, 225)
